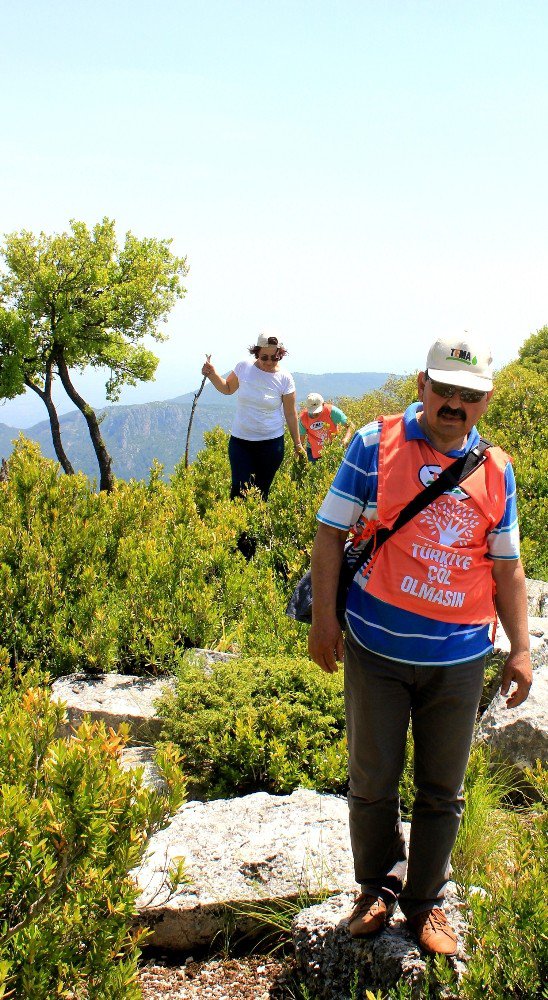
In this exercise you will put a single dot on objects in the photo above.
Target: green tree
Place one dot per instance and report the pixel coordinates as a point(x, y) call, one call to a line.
point(517, 421)
point(76, 299)
point(534, 352)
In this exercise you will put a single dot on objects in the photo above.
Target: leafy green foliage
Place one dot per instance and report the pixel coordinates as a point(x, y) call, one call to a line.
point(128, 580)
point(80, 292)
point(534, 352)
point(258, 724)
point(72, 826)
point(394, 397)
point(517, 421)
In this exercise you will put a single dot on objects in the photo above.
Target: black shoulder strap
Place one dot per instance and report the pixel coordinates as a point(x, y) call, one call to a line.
point(454, 474)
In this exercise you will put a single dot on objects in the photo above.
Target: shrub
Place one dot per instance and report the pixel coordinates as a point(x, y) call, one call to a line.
point(255, 724)
point(72, 826)
point(123, 581)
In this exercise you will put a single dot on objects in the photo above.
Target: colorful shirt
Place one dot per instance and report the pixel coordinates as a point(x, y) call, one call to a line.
point(320, 427)
point(385, 628)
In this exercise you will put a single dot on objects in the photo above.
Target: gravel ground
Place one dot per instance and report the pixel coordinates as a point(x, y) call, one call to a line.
point(255, 977)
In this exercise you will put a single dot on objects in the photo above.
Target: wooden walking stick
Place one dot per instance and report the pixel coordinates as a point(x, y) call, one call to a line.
point(196, 397)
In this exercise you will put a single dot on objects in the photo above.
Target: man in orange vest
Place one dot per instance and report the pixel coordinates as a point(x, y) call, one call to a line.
point(418, 616)
point(320, 422)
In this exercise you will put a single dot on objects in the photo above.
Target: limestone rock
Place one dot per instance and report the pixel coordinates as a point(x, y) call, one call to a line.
point(243, 855)
point(519, 735)
point(537, 597)
point(132, 757)
point(538, 636)
point(333, 964)
point(114, 698)
point(117, 698)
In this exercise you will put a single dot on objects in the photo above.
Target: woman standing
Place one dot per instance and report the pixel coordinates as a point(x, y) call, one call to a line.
point(266, 395)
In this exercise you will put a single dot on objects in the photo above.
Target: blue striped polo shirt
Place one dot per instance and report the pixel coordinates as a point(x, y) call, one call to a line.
point(383, 628)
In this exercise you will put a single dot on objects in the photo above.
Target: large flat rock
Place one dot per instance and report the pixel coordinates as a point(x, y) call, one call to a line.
point(537, 597)
point(519, 735)
point(113, 698)
point(243, 854)
point(538, 636)
point(143, 757)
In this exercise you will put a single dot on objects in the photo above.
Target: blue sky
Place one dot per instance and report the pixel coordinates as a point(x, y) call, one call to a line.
point(360, 176)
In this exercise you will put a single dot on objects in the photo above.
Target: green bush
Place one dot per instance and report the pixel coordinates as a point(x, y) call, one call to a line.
point(255, 724)
point(125, 581)
point(72, 826)
point(128, 580)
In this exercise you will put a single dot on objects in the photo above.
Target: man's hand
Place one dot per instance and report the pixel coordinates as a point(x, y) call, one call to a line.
point(325, 644)
point(511, 603)
point(517, 670)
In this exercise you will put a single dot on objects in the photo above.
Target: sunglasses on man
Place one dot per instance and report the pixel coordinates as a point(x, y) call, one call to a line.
point(268, 357)
point(445, 390)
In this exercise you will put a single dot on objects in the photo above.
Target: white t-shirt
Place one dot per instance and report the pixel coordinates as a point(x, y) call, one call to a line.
point(259, 410)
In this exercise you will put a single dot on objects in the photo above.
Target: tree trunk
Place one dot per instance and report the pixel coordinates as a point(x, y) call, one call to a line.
point(105, 462)
point(45, 396)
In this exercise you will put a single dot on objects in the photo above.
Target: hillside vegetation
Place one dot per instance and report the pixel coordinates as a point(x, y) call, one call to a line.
point(130, 580)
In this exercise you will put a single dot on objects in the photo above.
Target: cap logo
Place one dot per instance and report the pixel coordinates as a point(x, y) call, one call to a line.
point(459, 355)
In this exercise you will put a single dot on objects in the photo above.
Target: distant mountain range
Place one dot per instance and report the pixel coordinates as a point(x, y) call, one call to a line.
point(136, 435)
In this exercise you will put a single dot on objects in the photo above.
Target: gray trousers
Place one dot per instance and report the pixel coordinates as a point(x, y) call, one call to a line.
point(381, 696)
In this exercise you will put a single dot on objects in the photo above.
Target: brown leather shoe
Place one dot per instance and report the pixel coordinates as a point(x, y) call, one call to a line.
point(434, 932)
point(370, 914)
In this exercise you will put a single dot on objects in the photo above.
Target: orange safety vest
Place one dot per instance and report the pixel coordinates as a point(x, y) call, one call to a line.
point(437, 564)
point(319, 428)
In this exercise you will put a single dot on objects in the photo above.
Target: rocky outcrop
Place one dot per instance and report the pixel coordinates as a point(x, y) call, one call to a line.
point(143, 757)
point(519, 735)
point(250, 858)
point(335, 966)
point(538, 637)
point(243, 856)
point(537, 598)
point(113, 698)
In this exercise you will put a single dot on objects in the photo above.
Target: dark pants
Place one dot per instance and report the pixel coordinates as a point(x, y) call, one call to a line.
point(254, 463)
point(381, 696)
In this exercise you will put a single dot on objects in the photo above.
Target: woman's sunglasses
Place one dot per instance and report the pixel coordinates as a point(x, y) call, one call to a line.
point(268, 357)
point(446, 391)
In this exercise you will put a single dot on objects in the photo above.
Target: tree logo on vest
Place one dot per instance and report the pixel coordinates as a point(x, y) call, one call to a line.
point(429, 473)
point(450, 523)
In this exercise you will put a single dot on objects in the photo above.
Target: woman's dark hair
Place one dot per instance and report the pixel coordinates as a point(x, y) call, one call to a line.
point(272, 342)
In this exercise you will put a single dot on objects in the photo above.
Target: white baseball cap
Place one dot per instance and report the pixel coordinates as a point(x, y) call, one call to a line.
point(314, 403)
point(461, 361)
point(268, 339)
